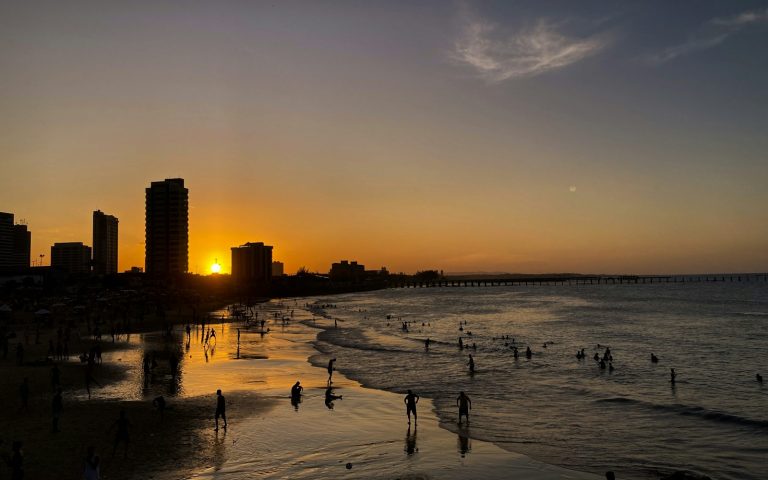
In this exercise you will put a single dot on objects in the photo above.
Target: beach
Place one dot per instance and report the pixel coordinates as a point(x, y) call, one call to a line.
point(267, 436)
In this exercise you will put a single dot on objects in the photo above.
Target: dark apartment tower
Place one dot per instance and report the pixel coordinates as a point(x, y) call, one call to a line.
point(252, 263)
point(71, 257)
point(6, 240)
point(104, 243)
point(15, 243)
point(167, 228)
point(22, 246)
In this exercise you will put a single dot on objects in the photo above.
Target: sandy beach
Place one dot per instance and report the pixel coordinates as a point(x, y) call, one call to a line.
point(267, 436)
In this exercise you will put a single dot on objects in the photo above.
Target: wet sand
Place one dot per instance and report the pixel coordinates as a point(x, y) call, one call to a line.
point(367, 428)
point(268, 437)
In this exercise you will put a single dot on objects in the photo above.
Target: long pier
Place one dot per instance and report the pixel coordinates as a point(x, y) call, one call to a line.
point(577, 280)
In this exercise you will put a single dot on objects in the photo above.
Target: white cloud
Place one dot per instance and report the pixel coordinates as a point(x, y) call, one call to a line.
point(745, 18)
point(527, 53)
point(711, 34)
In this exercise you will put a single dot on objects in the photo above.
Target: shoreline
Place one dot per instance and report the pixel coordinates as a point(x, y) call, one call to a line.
point(267, 436)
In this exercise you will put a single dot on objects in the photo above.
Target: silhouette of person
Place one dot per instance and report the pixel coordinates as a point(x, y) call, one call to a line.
point(461, 343)
point(159, 404)
point(16, 462)
point(88, 379)
point(296, 390)
point(57, 406)
point(410, 400)
point(92, 467)
point(221, 407)
point(528, 352)
point(654, 358)
point(410, 441)
point(596, 357)
point(610, 476)
point(24, 393)
point(330, 397)
point(471, 364)
point(330, 370)
point(121, 435)
point(426, 344)
point(672, 376)
point(464, 404)
point(759, 378)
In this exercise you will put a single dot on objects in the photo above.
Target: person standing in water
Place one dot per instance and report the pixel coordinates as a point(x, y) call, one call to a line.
point(410, 401)
point(672, 376)
point(471, 364)
point(426, 344)
point(330, 370)
point(296, 391)
point(464, 404)
point(221, 410)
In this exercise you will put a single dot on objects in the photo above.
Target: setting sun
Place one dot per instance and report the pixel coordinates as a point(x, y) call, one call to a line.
point(216, 268)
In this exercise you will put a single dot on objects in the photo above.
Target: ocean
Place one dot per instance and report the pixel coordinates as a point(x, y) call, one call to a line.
point(562, 410)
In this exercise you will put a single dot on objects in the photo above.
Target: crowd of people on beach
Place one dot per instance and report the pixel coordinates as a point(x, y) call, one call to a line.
point(59, 348)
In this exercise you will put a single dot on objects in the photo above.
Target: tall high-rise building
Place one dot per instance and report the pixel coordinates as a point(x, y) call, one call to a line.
point(252, 262)
point(104, 243)
point(167, 228)
point(71, 257)
point(15, 243)
point(6, 239)
point(22, 246)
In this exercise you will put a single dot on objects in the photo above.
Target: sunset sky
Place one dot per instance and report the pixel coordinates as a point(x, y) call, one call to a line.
point(526, 136)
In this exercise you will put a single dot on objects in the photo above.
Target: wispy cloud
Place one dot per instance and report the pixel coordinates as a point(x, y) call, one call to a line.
point(526, 53)
point(710, 34)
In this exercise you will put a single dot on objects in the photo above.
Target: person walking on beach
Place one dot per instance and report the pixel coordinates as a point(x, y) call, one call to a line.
point(121, 436)
point(92, 469)
point(464, 404)
point(672, 376)
point(471, 364)
point(56, 407)
point(410, 401)
point(330, 370)
point(221, 407)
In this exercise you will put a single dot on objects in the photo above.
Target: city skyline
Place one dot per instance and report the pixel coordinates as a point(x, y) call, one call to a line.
point(595, 138)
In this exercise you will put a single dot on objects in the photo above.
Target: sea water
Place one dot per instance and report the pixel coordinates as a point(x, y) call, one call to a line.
point(570, 412)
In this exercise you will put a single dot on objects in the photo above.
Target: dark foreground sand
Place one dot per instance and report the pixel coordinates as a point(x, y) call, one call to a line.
point(183, 442)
